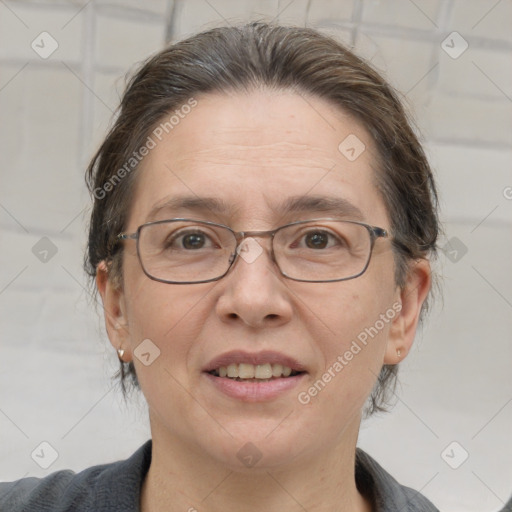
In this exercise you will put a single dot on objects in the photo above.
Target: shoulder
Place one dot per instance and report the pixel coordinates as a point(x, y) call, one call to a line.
point(508, 506)
point(111, 487)
point(55, 492)
point(385, 493)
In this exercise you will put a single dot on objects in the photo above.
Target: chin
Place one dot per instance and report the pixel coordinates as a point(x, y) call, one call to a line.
point(258, 446)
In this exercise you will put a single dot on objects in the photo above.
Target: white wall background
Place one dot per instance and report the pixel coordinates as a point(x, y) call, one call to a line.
point(55, 362)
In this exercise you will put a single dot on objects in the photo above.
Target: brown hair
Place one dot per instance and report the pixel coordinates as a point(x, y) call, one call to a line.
point(242, 58)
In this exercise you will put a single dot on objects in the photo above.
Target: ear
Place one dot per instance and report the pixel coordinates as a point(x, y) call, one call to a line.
point(411, 296)
point(115, 311)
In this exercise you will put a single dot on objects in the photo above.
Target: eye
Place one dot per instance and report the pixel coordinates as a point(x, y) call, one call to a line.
point(193, 241)
point(320, 239)
point(317, 240)
point(188, 240)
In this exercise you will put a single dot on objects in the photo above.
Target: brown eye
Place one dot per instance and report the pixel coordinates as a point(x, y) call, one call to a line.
point(317, 240)
point(188, 240)
point(193, 241)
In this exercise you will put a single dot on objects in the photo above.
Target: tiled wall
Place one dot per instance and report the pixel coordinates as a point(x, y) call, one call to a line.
point(62, 67)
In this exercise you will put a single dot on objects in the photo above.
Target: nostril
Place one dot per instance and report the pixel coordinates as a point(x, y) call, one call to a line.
point(272, 316)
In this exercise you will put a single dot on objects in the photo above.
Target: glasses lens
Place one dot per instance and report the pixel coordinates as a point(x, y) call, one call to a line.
point(322, 250)
point(184, 251)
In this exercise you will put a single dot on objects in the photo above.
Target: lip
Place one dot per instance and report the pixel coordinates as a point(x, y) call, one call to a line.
point(254, 391)
point(266, 356)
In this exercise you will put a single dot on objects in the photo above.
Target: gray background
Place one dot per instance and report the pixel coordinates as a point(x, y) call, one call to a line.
point(56, 363)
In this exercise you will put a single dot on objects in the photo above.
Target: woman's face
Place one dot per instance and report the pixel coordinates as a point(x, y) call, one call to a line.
point(255, 154)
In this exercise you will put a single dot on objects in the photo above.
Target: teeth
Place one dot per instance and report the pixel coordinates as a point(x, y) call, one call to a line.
point(232, 370)
point(277, 370)
point(246, 371)
point(263, 372)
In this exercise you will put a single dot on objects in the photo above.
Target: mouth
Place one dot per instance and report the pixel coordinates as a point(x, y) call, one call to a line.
point(254, 377)
point(248, 372)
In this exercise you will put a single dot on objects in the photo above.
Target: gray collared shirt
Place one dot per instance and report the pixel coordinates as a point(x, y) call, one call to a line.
point(116, 487)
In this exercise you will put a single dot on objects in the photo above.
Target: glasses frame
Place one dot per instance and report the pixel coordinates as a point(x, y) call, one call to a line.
point(374, 232)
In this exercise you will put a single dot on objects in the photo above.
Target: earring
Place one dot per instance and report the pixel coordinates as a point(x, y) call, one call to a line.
point(398, 353)
point(120, 354)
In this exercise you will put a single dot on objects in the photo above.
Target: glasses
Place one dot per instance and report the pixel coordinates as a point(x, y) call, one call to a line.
point(187, 251)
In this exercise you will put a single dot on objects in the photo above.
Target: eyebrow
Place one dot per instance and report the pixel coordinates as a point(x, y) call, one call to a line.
point(336, 206)
point(196, 203)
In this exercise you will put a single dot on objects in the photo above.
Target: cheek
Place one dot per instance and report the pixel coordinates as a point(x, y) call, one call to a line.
point(352, 329)
point(171, 316)
point(359, 340)
point(345, 312)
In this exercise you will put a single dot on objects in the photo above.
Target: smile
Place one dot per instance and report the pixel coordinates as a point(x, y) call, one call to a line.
point(254, 377)
point(255, 373)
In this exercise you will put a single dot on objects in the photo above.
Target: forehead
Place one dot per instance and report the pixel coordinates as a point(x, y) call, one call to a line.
point(255, 154)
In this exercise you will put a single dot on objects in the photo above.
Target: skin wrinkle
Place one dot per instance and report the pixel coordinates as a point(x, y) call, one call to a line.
point(293, 209)
point(294, 59)
point(254, 308)
point(306, 170)
point(222, 157)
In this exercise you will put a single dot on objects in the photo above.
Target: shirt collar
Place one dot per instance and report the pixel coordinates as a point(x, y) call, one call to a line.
point(383, 492)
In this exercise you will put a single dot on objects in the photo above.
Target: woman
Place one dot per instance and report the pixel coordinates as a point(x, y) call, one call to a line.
point(261, 232)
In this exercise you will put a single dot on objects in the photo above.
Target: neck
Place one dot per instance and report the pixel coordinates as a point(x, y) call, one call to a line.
point(180, 480)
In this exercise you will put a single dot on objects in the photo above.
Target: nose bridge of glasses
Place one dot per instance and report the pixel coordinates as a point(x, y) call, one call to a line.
point(249, 249)
point(243, 236)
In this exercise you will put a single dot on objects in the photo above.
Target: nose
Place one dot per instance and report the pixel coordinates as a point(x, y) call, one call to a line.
point(254, 292)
